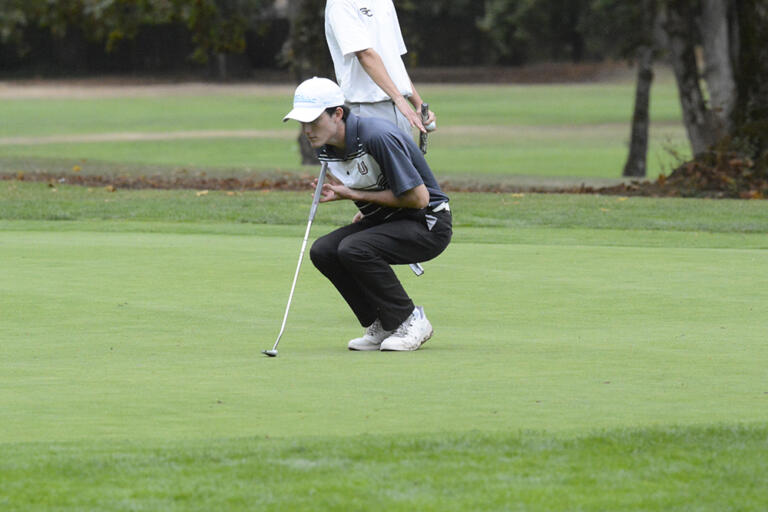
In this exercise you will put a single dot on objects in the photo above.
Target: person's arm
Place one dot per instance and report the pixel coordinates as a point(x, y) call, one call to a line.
point(371, 62)
point(416, 198)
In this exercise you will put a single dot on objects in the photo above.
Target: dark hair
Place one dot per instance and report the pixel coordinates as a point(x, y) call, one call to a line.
point(332, 110)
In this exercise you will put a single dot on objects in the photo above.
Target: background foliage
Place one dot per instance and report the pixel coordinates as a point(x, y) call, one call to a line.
point(185, 34)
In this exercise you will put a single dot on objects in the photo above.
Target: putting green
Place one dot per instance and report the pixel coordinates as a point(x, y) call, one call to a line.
point(123, 335)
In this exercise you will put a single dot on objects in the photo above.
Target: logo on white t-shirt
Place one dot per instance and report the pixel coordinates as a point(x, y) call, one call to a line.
point(367, 12)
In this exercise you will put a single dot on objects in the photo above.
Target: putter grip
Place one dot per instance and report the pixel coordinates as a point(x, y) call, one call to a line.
point(318, 190)
point(423, 136)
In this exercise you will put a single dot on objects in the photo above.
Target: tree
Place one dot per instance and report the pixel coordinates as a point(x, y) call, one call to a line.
point(13, 19)
point(631, 31)
point(306, 52)
point(636, 164)
point(528, 30)
point(683, 36)
point(216, 27)
point(749, 116)
point(725, 101)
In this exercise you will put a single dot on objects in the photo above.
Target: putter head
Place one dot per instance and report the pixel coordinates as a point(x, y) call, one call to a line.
point(270, 353)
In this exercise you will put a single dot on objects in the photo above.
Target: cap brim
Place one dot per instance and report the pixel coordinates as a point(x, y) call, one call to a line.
point(304, 115)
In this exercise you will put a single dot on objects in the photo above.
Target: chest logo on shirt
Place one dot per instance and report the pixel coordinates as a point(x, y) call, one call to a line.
point(366, 11)
point(362, 168)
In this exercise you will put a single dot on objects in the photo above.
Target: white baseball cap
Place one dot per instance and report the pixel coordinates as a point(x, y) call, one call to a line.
point(312, 97)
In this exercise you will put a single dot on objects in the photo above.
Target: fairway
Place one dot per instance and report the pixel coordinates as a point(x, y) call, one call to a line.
point(487, 133)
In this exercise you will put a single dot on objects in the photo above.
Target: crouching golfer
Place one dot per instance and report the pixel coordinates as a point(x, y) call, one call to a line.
point(403, 215)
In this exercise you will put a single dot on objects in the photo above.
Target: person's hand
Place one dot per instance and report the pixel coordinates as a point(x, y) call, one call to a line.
point(329, 178)
point(414, 118)
point(431, 118)
point(325, 196)
point(358, 217)
point(331, 192)
point(411, 115)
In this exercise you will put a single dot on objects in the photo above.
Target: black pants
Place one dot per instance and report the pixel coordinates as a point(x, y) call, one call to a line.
point(357, 258)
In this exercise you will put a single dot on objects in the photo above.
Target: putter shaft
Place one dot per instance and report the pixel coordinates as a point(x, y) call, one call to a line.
point(312, 211)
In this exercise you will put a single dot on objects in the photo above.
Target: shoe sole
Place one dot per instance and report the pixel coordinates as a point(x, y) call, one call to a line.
point(410, 350)
point(368, 349)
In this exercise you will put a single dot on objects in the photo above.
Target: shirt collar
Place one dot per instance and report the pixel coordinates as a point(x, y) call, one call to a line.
point(351, 138)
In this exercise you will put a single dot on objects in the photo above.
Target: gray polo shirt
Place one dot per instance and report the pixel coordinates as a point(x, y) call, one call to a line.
point(380, 156)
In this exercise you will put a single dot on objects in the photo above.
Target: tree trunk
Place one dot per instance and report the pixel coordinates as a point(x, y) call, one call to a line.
point(638, 145)
point(308, 153)
point(221, 66)
point(737, 164)
point(681, 31)
point(308, 54)
point(750, 114)
point(718, 71)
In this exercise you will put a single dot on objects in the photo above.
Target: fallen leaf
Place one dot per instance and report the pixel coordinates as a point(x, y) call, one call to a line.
point(201, 193)
point(77, 168)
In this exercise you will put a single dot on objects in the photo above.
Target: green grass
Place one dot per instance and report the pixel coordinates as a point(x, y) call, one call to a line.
point(474, 105)
point(64, 116)
point(591, 353)
point(235, 156)
point(656, 469)
point(548, 105)
point(700, 217)
point(156, 329)
point(486, 132)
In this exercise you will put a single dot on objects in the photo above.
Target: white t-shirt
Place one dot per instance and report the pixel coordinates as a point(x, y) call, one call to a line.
point(354, 25)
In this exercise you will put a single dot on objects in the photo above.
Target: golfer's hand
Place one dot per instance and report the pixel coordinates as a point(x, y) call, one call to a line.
point(332, 192)
point(327, 193)
point(329, 178)
point(358, 217)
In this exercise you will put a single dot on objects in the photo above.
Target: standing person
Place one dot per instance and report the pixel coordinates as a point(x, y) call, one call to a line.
point(366, 46)
point(403, 215)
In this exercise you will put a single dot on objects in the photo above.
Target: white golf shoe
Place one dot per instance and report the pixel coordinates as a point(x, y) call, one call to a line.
point(371, 340)
point(411, 334)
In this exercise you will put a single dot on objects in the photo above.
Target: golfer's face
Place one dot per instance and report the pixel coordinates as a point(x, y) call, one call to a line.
point(320, 131)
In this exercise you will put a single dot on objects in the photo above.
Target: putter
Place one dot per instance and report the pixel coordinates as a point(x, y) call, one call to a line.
point(312, 211)
point(416, 267)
